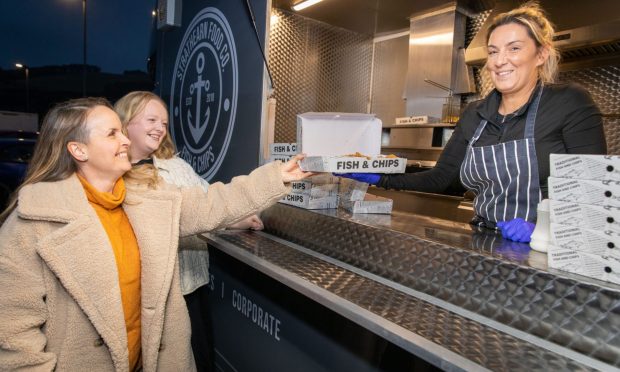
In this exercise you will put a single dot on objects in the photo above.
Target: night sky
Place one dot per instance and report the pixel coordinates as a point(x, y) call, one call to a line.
point(49, 32)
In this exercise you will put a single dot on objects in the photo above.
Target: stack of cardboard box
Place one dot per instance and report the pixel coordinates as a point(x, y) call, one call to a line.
point(584, 193)
point(316, 192)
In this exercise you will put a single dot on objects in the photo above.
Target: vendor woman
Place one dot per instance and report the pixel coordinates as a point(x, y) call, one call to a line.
point(501, 145)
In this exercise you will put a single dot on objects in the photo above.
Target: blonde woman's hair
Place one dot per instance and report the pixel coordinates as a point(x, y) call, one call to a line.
point(531, 16)
point(51, 161)
point(127, 108)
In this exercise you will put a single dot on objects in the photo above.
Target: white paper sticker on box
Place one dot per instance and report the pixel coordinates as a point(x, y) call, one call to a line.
point(424, 119)
point(282, 158)
point(307, 202)
point(314, 191)
point(283, 148)
point(345, 164)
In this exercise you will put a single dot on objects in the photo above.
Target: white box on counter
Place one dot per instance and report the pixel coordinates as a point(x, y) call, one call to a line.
point(308, 202)
point(595, 192)
point(598, 267)
point(370, 204)
point(588, 216)
point(283, 148)
point(598, 242)
point(342, 142)
point(351, 190)
point(314, 190)
point(282, 158)
point(586, 167)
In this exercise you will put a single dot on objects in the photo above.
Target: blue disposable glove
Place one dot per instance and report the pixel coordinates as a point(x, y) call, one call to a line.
point(371, 178)
point(517, 230)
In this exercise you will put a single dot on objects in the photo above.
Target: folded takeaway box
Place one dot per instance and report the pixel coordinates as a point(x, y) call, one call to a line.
point(309, 202)
point(341, 142)
point(576, 238)
point(370, 204)
point(586, 167)
point(604, 193)
point(587, 216)
point(605, 268)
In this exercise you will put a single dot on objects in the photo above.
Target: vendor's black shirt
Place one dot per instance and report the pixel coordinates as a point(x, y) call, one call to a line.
point(568, 122)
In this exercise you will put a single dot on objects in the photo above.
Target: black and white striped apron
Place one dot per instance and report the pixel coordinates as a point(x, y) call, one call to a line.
point(504, 177)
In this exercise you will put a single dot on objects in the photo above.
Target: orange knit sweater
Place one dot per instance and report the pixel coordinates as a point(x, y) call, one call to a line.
point(127, 254)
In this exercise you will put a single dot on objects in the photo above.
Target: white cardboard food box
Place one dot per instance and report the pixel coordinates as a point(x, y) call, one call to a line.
point(605, 268)
point(370, 204)
point(326, 139)
point(282, 158)
point(596, 192)
point(314, 190)
point(351, 190)
point(319, 179)
point(587, 216)
point(598, 242)
point(586, 167)
point(308, 202)
point(283, 148)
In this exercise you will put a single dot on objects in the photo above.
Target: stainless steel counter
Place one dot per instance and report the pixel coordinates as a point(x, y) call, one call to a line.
point(461, 299)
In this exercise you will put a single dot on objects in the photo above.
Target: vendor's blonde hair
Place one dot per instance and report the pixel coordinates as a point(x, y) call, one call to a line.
point(51, 160)
point(531, 16)
point(127, 109)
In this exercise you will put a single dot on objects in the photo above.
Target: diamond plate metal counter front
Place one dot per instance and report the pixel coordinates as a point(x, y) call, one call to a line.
point(472, 340)
point(579, 316)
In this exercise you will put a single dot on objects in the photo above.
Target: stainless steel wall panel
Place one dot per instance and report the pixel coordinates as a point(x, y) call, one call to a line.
point(316, 67)
point(432, 44)
point(388, 83)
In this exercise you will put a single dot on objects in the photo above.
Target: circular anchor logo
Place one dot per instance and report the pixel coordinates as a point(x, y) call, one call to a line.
point(203, 96)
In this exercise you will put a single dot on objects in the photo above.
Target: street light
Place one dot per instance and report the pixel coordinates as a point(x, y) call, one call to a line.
point(27, 71)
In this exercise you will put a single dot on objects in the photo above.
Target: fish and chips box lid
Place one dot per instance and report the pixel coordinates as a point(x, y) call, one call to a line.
point(337, 134)
point(343, 142)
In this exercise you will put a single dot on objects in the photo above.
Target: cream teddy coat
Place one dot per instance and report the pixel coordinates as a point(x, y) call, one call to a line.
point(60, 303)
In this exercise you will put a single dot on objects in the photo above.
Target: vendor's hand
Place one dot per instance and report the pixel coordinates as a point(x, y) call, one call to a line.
point(253, 223)
point(291, 171)
point(517, 230)
point(371, 178)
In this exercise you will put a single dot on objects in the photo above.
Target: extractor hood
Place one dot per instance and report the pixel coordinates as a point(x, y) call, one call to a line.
point(584, 29)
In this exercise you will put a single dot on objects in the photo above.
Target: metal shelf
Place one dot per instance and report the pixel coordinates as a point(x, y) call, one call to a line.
point(434, 125)
point(412, 148)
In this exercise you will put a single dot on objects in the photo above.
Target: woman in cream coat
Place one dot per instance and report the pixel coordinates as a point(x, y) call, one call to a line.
point(60, 304)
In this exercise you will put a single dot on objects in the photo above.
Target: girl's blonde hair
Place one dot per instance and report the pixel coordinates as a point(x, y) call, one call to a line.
point(51, 161)
point(127, 109)
point(531, 16)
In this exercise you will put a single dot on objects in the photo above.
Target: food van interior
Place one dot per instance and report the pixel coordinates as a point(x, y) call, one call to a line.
point(401, 58)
